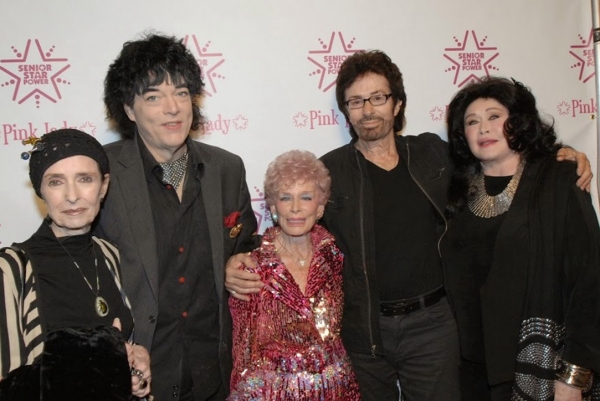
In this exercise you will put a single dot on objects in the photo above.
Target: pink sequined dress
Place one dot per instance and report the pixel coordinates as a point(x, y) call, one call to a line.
point(287, 345)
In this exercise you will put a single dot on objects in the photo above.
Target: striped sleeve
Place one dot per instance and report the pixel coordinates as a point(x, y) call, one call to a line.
point(21, 339)
point(111, 255)
point(13, 352)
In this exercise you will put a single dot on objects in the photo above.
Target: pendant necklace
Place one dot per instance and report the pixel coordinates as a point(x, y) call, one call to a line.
point(300, 260)
point(100, 304)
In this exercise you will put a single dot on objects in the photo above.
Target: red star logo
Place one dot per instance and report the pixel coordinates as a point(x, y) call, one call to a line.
point(300, 119)
point(563, 108)
point(240, 122)
point(436, 114)
point(329, 59)
point(584, 54)
point(35, 74)
point(470, 62)
point(209, 63)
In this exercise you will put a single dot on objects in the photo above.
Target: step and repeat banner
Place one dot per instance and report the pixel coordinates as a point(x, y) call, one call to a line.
point(270, 69)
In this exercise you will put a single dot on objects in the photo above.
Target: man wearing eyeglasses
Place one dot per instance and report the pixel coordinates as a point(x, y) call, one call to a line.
point(387, 214)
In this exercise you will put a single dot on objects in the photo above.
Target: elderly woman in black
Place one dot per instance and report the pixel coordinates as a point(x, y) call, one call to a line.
point(60, 291)
point(522, 252)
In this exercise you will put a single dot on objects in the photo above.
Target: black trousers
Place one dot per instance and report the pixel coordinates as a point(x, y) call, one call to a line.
point(421, 353)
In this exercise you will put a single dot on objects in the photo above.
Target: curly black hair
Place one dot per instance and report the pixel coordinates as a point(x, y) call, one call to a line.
point(525, 131)
point(364, 62)
point(145, 63)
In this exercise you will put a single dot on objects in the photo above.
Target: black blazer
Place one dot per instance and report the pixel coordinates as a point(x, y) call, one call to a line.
point(126, 220)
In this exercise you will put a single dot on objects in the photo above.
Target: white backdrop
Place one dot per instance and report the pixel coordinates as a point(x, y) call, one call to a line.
point(270, 67)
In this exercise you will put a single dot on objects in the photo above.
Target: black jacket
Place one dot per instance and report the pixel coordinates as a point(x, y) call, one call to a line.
point(541, 298)
point(126, 220)
point(349, 217)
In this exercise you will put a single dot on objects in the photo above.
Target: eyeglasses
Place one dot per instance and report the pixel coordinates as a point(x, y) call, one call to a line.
point(375, 100)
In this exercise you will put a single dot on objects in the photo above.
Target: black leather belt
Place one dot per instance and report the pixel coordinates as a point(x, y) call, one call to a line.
point(406, 306)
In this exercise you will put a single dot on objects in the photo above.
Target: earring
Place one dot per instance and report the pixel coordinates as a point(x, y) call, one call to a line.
point(275, 217)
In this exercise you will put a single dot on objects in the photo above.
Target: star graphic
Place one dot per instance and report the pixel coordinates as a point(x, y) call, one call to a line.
point(328, 61)
point(209, 62)
point(584, 54)
point(436, 113)
point(89, 128)
point(470, 69)
point(33, 73)
point(300, 119)
point(563, 108)
point(240, 122)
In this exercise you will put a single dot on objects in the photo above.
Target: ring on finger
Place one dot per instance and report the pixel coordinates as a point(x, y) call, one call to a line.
point(143, 384)
point(138, 373)
point(233, 292)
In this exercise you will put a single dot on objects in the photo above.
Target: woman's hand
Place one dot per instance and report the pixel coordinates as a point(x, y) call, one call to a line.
point(139, 363)
point(563, 392)
point(239, 282)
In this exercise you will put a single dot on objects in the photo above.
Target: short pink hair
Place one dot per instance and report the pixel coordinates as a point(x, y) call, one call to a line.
point(296, 166)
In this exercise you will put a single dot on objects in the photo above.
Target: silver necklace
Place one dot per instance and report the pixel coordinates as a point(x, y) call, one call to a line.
point(301, 260)
point(486, 206)
point(100, 304)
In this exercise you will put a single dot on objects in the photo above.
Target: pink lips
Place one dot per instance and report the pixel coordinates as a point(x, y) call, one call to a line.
point(74, 212)
point(487, 142)
point(295, 222)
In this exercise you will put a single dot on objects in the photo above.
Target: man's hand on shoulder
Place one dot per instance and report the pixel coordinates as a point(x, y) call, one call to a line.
point(238, 281)
point(584, 168)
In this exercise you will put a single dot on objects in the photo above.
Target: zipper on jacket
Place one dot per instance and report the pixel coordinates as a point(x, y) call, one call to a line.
point(364, 262)
point(428, 197)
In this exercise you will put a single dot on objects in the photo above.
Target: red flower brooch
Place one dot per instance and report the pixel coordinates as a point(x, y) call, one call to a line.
point(231, 222)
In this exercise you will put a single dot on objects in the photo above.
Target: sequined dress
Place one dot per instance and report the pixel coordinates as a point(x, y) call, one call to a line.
point(287, 345)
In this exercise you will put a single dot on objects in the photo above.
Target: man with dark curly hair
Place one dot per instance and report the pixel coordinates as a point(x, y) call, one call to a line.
point(177, 210)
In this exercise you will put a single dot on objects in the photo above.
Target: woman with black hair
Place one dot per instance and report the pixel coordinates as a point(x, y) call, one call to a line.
point(522, 252)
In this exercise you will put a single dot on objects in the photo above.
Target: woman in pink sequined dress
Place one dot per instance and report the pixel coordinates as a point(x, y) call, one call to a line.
point(286, 339)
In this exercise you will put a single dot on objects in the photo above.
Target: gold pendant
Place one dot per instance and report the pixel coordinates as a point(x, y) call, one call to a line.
point(101, 307)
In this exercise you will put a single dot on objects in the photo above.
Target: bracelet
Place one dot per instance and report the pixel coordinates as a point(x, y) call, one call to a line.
point(573, 375)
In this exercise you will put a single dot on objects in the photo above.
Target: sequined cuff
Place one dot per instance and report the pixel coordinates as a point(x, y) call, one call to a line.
point(573, 375)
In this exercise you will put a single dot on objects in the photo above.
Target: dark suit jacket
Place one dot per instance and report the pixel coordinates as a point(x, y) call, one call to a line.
point(126, 220)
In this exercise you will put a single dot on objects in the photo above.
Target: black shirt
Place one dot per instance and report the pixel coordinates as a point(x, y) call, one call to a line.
point(473, 239)
point(186, 339)
point(406, 235)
